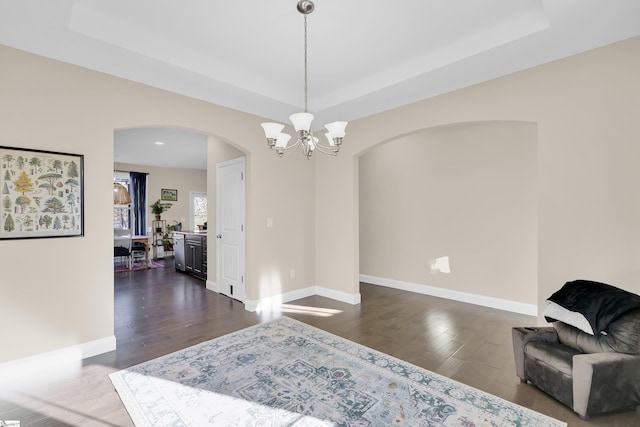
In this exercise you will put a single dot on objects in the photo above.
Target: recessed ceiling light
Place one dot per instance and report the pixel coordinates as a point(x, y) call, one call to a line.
point(159, 143)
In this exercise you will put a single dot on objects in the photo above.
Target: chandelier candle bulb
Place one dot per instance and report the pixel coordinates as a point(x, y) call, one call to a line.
point(272, 131)
point(281, 143)
point(301, 121)
point(330, 139)
point(282, 140)
point(336, 129)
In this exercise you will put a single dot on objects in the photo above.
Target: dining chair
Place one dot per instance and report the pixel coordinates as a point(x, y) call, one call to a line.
point(122, 246)
point(138, 251)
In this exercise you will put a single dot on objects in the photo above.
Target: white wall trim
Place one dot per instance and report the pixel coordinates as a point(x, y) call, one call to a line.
point(96, 347)
point(485, 301)
point(353, 299)
point(57, 360)
point(252, 305)
point(275, 301)
point(212, 286)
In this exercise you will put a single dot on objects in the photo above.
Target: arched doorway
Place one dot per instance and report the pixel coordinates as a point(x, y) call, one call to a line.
point(452, 211)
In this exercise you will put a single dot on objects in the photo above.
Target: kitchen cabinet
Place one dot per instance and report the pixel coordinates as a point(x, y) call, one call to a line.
point(195, 254)
point(204, 257)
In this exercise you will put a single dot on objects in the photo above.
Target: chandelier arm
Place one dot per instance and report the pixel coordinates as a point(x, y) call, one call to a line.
point(286, 151)
point(326, 149)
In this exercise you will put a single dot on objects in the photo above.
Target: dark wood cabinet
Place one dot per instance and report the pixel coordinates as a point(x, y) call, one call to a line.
point(195, 255)
point(204, 257)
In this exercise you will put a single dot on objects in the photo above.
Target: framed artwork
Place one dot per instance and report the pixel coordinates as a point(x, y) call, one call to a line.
point(169, 195)
point(41, 194)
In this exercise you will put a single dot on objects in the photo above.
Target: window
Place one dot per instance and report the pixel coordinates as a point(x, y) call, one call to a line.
point(198, 209)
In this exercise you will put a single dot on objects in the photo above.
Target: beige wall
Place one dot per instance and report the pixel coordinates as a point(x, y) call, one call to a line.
point(466, 192)
point(287, 199)
point(58, 293)
point(586, 111)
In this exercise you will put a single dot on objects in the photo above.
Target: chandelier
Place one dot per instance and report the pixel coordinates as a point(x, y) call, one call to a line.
point(302, 121)
point(120, 194)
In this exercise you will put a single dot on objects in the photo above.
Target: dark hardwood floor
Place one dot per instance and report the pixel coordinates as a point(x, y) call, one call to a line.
point(160, 311)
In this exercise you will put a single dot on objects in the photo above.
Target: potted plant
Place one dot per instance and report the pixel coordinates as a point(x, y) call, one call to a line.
point(158, 207)
point(167, 242)
point(175, 227)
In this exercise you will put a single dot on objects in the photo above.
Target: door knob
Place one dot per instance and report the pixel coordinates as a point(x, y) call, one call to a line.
point(219, 236)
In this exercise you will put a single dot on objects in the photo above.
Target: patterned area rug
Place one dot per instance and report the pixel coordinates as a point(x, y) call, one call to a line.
point(140, 265)
point(286, 373)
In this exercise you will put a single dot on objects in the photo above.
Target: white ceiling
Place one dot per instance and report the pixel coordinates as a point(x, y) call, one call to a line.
point(364, 56)
point(160, 147)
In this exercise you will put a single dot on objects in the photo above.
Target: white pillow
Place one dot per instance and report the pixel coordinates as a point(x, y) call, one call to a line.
point(573, 318)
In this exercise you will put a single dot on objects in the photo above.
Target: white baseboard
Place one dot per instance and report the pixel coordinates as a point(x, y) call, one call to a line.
point(212, 286)
point(353, 299)
point(485, 301)
point(55, 362)
point(275, 301)
point(96, 347)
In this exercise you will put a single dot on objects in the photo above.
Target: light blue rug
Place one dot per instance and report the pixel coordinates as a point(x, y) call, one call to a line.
point(286, 373)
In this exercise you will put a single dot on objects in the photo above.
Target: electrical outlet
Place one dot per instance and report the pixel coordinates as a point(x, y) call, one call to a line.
point(292, 273)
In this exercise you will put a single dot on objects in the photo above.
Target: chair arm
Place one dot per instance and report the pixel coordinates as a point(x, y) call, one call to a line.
point(521, 336)
point(605, 382)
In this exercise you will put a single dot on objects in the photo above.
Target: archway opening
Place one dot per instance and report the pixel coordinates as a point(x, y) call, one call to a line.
point(452, 211)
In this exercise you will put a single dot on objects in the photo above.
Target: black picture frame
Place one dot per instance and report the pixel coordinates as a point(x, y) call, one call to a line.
point(41, 194)
point(169, 195)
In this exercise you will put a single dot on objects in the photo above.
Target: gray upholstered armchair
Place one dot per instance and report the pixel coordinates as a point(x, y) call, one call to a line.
point(591, 374)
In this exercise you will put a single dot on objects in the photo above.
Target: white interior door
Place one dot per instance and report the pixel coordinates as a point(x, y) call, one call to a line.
point(230, 233)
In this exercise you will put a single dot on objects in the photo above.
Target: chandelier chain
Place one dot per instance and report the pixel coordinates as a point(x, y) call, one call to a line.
point(305, 65)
